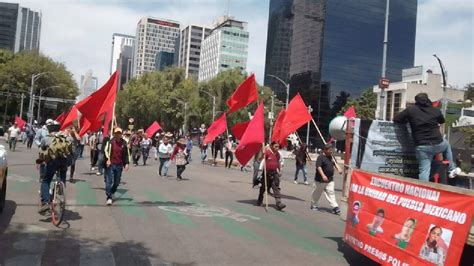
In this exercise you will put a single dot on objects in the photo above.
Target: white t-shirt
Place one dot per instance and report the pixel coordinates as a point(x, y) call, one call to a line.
point(14, 132)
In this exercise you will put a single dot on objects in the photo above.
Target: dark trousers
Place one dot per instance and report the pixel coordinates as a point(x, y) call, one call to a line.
point(30, 142)
point(93, 157)
point(113, 174)
point(145, 154)
point(180, 170)
point(229, 154)
point(163, 164)
point(136, 154)
point(273, 181)
point(50, 169)
point(80, 148)
point(12, 143)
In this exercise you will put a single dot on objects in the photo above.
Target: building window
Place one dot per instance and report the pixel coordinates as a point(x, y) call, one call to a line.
point(397, 103)
point(389, 105)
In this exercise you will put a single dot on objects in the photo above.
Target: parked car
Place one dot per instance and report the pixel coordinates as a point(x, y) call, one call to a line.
point(3, 176)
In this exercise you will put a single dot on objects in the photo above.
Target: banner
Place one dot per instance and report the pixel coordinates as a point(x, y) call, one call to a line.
point(403, 223)
point(384, 147)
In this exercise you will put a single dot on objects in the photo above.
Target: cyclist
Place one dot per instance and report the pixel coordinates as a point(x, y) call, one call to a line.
point(51, 164)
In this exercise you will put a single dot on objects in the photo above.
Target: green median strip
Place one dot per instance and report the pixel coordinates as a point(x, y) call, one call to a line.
point(173, 217)
point(230, 225)
point(85, 195)
point(124, 200)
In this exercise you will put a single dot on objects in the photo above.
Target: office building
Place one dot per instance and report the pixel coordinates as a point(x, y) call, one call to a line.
point(122, 56)
point(20, 28)
point(190, 49)
point(89, 84)
point(225, 48)
point(163, 60)
point(153, 35)
point(323, 48)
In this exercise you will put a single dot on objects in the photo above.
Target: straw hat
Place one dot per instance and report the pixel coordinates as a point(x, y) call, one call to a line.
point(168, 134)
point(182, 141)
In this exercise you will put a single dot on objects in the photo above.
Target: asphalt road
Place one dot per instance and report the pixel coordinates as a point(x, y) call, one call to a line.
point(209, 218)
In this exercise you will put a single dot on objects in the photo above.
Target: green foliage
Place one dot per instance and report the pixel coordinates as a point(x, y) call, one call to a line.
point(15, 77)
point(365, 105)
point(470, 91)
point(469, 140)
point(158, 95)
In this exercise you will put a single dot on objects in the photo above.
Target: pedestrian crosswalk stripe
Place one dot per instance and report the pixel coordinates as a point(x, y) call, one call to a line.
point(231, 226)
point(173, 217)
point(85, 195)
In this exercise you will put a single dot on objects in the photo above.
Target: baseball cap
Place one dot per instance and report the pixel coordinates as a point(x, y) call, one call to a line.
point(117, 130)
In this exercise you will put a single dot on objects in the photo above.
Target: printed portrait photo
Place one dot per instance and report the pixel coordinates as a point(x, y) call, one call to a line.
point(354, 214)
point(403, 238)
point(436, 244)
point(376, 226)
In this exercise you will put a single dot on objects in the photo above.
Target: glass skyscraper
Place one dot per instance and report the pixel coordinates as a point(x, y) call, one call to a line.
point(327, 47)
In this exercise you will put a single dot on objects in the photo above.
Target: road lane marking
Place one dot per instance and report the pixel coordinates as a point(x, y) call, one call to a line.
point(127, 204)
point(85, 195)
point(173, 217)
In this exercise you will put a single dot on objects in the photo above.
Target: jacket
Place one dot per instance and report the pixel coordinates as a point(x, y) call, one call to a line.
point(125, 151)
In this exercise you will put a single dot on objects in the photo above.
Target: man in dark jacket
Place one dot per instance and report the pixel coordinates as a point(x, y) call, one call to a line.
point(117, 156)
point(300, 157)
point(425, 122)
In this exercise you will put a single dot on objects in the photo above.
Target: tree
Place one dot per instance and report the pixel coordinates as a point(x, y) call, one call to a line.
point(469, 91)
point(365, 105)
point(15, 77)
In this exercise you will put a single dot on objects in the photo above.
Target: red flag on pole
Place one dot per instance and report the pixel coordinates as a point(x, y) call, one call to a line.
point(218, 127)
point(245, 94)
point(436, 104)
point(101, 101)
point(239, 129)
point(296, 115)
point(253, 138)
point(277, 127)
point(61, 117)
point(351, 112)
point(152, 129)
point(20, 122)
point(70, 118)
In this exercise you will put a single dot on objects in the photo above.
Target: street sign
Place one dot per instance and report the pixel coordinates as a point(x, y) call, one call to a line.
point(384, 83)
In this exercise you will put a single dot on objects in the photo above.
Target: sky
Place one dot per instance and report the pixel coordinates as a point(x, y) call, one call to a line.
point(79, 32)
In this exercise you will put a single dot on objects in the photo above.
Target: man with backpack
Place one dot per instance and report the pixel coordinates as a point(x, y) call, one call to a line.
point(55, 156)
point(117, 157)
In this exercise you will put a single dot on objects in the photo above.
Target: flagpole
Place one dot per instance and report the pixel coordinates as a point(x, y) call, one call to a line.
point(324, 141)
point(265, 178)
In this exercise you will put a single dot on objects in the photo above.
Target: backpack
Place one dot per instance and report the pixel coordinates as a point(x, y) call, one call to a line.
point(59, 149)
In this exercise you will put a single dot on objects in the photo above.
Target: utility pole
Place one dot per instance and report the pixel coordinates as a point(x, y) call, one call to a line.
point(307, 127)
point(271, 117)
point(21, 105)
point(30, 106)
point(383, 105)
point(185, 111)
point(287, 86)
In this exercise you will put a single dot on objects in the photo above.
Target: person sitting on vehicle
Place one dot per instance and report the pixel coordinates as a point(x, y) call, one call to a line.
point(425, 122)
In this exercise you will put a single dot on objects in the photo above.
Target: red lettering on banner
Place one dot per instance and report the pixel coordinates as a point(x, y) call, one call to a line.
point(400, 223)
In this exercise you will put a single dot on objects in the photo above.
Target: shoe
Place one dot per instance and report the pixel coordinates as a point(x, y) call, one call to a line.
point(109, 202)
point(71, 180)
point(44, 208)
point(98, 173)
point(259, 204)
point(296, 182)
point(280, 206)
point(306, 182)
point(314, 208)
point(336, 211)
point(455, 172)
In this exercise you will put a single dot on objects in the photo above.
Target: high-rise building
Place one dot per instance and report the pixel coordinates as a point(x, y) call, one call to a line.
point(327, 49)
point(153, 35)
point(89, 84)
point(163, 60)
point(122, 56)
point(190, 49)
point(20, 28)
point(225, 48)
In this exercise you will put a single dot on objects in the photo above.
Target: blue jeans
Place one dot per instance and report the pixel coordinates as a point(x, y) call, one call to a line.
point(163, 168)
point(113, 175)
point(49, 170)
point(302, 168)
point(203, 155)
point(189, 155)
point(425, 154)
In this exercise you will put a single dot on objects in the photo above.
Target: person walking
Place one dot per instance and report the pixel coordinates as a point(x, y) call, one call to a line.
point(179, 157)
point(325, 181)
point(203, 148)
point(189, 147)
point(30, 135)
point(145, 145)
point(425, 122)
point(100, 153)
point(300, 158)
point(135, 141)
point(13, 135)
point(229, 151)
point(164, 153)
point(91, 142)
point(272, 175)
point(117, 157)
point(73, 137)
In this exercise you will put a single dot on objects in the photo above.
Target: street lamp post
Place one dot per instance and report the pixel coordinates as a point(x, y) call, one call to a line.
point(39, 99)
point(34, 77)
point(307, 127)
point(383, 106)
point(213, 103)
point(287, 86)
point(445, 98)
point(271, 117)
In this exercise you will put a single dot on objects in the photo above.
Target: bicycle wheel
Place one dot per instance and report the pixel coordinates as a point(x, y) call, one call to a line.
point(58, 204)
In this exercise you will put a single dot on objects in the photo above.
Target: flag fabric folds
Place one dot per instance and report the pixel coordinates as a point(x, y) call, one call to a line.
point(350, 113)
point(20, 122)
point(253, 138)
point(218, 127)
point(296, 115)
point(245, 94)
point(277, 127)
point(61, 117)
point(70, 118)
point(152, 129)
point(239, 129)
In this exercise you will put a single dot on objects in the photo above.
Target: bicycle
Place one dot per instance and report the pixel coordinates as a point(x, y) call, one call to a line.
point(57, 200)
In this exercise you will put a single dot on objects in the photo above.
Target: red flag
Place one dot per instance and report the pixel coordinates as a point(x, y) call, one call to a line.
point(20, 122)
point(152, 129)
point(101, 101)
point(245, 94)
point(296, 115)
point(61, 117)
point(253, 138)
point(436, 103)
point(239, 129)
point(351, 112)
point(70, 118)
point(218, 127)
point(277, 127)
